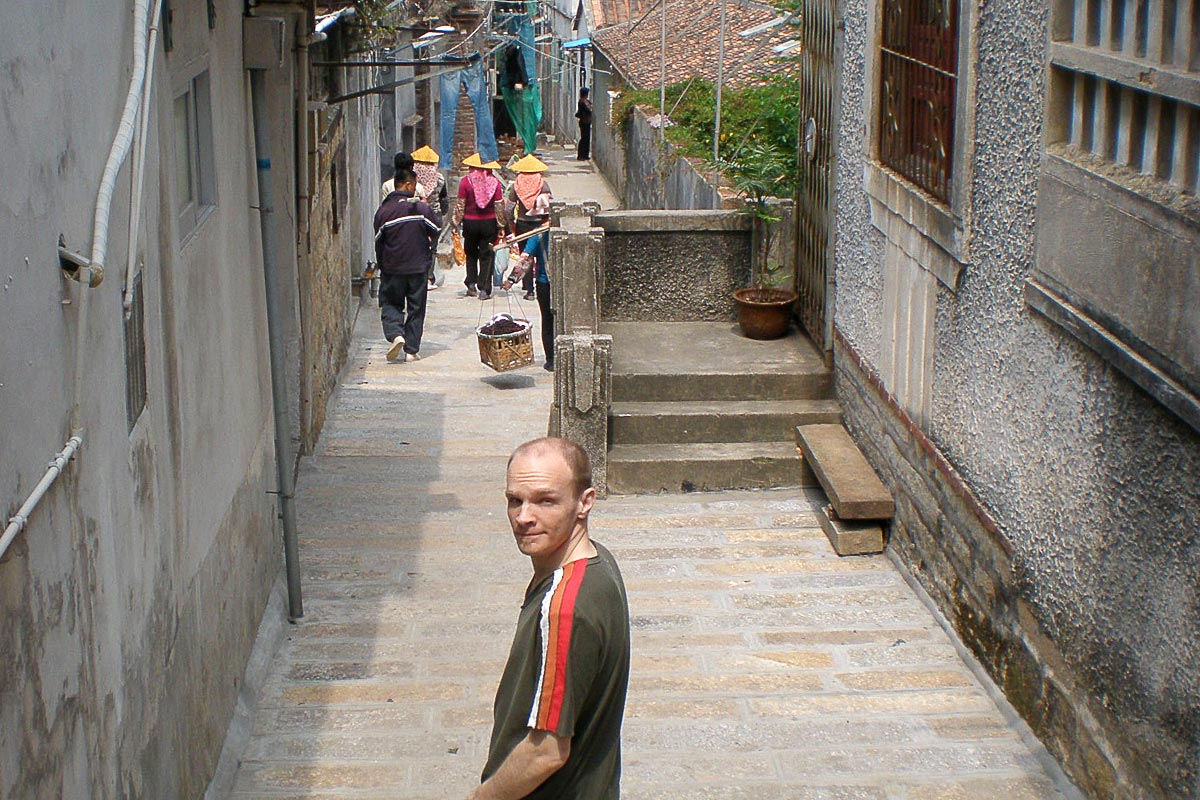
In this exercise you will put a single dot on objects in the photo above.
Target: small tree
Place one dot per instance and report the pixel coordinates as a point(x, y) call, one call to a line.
point(758, 172)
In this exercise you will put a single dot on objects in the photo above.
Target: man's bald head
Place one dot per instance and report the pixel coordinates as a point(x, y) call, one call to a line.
point(571, 454)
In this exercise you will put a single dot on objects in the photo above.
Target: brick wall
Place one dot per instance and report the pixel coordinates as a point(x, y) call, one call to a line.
point(326, 301)
point(953, 545)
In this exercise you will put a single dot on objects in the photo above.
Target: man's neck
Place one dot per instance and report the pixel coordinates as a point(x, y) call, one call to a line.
point(577, 548)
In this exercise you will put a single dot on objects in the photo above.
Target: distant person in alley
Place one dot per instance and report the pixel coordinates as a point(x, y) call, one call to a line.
point(406, 233)
point(556, 732)
point(583, 113)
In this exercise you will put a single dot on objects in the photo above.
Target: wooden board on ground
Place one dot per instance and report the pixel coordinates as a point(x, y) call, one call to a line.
point(850, 537)
point(844, 473)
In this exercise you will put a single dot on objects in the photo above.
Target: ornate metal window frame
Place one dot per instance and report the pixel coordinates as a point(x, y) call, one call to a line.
point(938, 225)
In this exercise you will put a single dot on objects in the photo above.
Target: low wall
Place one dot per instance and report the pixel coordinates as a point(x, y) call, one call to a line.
point(657, 179)
point(673, 266)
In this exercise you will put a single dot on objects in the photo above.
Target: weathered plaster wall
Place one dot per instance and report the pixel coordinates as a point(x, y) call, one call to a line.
point(673, 266)
point(128, 606)
point(1092, 485)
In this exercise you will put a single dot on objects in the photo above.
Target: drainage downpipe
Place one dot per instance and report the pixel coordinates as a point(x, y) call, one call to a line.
point(283, 440)
point(139, 162)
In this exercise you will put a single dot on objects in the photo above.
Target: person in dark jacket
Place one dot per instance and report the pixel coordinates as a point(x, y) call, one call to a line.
point(583, 113)
point(406, 232)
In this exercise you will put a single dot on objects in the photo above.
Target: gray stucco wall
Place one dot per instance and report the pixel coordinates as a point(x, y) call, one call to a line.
point(130, 603)
point(1092, 483)
point(673, 266)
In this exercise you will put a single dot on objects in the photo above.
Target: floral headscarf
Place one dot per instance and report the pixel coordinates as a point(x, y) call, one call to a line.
point(483, 185)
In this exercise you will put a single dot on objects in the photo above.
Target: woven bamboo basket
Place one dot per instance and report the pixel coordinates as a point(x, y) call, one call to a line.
point(506, 351)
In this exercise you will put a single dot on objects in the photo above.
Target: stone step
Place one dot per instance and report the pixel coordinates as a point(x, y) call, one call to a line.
point(718, 384)
point(715, 421)
point(666, 361)
point(708, 466)
point(854, 489)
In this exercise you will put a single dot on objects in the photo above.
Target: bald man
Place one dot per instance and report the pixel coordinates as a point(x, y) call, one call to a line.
point(557, 718)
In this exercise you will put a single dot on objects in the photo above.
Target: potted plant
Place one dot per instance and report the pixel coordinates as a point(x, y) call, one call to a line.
point(764, 308)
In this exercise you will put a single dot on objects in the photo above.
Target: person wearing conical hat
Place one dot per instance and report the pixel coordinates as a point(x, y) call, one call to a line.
point(480, 212)
point(431, 189)
point(528, 203)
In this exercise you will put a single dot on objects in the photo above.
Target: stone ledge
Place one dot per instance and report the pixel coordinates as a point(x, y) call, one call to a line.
point(654, 221)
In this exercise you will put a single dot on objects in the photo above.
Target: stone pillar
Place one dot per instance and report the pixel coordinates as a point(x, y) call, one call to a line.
point(576, 278)
point(582, 394)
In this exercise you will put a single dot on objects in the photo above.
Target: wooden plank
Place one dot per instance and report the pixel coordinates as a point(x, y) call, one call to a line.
point(854, 489)
point(1150, 145)
point(1080, 27)
point(1183, 50)
point(1125, 132)
point(849, 537)
point(1182, 174)
point(1154, 31)
point(1132, 73)
point(1079, 109)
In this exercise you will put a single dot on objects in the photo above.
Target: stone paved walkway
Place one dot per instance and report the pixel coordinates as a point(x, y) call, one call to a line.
point(764, 666)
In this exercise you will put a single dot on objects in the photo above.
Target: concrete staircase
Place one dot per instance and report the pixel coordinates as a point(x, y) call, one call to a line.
point(698, 407)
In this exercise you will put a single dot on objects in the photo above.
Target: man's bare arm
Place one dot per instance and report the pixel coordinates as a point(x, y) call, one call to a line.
point(538, 756)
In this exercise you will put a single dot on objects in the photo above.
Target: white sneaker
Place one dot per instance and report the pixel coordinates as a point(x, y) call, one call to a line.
point(396, 351)
point(412, 357)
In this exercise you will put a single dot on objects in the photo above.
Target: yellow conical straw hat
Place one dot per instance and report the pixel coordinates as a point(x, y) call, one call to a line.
point(530, 163)
point(426, 155)
point(472, 161)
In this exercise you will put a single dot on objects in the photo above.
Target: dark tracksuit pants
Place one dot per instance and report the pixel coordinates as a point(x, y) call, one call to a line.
point(478, 236)
point(402, 307)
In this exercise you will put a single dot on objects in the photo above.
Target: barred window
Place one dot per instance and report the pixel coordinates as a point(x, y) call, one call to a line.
point(1124, 86)
point(918, 82)
point(135, 356)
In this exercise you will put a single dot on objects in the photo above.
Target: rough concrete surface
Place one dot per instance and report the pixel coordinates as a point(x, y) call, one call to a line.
point(1091, 480)
point(764, 666)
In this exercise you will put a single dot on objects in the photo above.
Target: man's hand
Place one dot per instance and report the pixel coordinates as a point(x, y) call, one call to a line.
point(538, 756)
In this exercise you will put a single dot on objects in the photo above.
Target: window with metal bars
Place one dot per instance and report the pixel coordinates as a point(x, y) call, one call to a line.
point(135, 356)
point(918, 60)
point(1125, 86)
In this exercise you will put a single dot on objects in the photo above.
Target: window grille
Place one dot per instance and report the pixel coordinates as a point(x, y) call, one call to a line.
point(135, 356)
point(918, 81)
point(1125, 86)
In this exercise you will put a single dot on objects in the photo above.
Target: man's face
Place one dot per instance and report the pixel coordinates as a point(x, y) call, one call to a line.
point(543, 507)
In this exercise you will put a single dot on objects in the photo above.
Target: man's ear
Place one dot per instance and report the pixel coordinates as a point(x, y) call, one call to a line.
point(586, 501)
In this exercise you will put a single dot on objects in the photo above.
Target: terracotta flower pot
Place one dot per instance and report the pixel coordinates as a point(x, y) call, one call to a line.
point(764, 313)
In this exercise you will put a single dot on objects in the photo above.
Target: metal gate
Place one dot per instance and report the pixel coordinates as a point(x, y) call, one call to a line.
point(820, 56)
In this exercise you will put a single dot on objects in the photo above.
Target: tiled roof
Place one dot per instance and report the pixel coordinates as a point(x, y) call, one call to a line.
point(615, 12)
point(693, 31)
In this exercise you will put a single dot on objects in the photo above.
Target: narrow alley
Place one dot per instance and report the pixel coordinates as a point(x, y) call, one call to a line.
point(764, 665)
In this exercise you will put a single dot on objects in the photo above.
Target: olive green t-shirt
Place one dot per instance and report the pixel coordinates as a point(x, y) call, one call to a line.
point(567, 673)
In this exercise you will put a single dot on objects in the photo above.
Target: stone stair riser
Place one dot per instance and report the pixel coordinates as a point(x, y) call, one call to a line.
point(635, 428)
point(665, 387)
point(671, 475)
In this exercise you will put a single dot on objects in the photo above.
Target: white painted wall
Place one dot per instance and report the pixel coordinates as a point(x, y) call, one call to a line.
point(129, 605)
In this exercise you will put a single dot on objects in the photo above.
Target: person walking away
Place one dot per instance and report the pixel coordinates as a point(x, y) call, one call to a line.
point(400, 161)
point(556, 732)
point(431, 189)
point(406, 232)
point(583, 113)
point(526, 197)
point(479, 211)
point(533, 262)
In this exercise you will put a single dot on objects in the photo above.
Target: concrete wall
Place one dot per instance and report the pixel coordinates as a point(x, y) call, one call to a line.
point(129, 605)
point(673, 266)
point(628, 155)
point(1048, 504)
